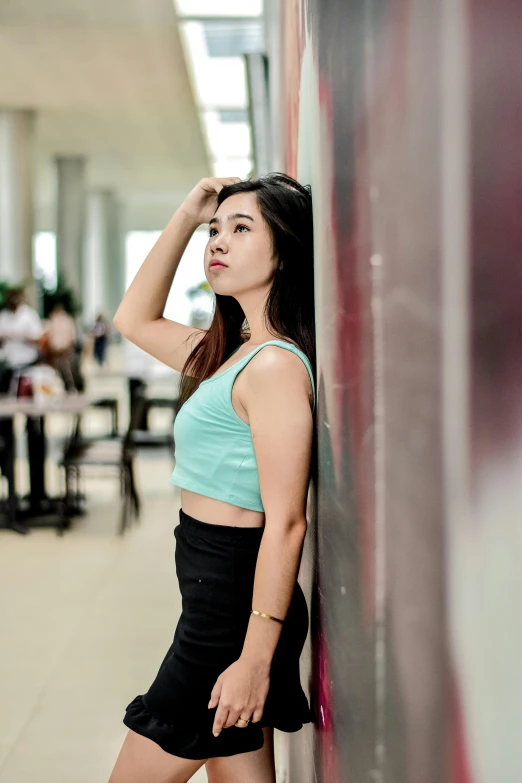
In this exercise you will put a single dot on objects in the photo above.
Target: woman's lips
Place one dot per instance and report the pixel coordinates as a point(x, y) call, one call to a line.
point(217, 265)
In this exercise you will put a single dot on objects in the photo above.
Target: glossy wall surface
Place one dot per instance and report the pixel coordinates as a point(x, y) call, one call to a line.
point(405, 117)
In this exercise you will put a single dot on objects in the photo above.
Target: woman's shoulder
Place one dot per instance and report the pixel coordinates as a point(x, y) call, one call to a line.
point(271, 365)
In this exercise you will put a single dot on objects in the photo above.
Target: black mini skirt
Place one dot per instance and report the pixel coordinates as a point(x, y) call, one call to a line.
point(215, 565)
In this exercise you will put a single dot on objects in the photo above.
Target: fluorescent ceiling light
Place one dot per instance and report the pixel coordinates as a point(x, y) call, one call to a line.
point(225, 38)
point(219, 7)
point(218, 81)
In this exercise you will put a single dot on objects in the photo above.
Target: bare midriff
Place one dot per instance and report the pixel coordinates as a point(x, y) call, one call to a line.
point(218, 512)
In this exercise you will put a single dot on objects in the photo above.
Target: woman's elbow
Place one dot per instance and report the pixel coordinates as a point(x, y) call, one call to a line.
point(299, 528)
point(292, 530)
point(120, 323)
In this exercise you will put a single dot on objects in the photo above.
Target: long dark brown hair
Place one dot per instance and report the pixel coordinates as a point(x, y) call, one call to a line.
point(286, 207)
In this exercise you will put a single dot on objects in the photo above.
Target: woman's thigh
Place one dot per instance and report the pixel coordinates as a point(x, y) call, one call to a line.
point(141, 760)
point(255, 767)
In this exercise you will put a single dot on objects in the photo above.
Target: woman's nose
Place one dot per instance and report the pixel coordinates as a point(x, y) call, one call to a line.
point(218, 244)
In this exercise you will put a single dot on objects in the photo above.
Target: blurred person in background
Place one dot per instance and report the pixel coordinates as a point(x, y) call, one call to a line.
point(20, 335)
point(138, 368)
point(61, 343)
point(100, 333)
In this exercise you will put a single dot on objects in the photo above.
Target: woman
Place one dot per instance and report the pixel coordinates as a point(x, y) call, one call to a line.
point(244, 438)
point(62, 336)
point(100, 332)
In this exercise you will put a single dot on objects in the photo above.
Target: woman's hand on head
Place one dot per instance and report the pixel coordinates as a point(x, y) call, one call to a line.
point(201, 202)
point(240, 692)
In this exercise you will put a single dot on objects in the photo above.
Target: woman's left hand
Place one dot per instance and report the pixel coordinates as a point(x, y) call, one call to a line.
point(240, 692)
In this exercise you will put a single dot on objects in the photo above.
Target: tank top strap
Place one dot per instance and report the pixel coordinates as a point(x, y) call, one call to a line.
point(235, 369)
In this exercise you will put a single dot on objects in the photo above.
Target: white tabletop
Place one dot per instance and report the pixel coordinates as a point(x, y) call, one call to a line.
point(66, 403)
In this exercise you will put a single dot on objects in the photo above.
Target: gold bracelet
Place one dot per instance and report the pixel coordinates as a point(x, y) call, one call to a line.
point(268, 616)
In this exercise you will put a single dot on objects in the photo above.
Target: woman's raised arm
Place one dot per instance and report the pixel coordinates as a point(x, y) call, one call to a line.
point(139, 317)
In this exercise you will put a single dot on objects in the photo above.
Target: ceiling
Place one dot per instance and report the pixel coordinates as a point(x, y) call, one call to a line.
point(107, 79)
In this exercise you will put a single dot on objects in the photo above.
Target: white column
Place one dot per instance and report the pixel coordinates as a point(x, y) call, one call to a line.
point(116, 269)
point(256, 64)
point(70, 221)
point(16, 198)
point(104, 272)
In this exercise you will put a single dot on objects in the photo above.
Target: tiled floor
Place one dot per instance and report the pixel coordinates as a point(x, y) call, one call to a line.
point(85, 621)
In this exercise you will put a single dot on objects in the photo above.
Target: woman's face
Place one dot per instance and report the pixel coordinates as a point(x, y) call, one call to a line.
point(240, 239)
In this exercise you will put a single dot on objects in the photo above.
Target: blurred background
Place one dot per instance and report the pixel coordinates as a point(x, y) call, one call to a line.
point(406, 119)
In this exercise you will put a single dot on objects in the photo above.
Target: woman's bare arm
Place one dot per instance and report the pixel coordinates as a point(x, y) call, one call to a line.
point(277, 400)
point(139, 317)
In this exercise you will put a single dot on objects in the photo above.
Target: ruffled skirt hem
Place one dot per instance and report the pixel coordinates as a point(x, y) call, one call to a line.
point(198, 743)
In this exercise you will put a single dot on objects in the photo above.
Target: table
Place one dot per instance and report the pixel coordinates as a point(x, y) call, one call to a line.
point(41, 506)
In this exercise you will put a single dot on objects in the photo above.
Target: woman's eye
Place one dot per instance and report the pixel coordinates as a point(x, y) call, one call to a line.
point(240, 226)
point(212, 232)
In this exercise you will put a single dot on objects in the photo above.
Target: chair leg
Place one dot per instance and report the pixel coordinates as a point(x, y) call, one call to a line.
point(73, 471)
point(134, 493)
point(67, 494)
point(81, 493)
point(122, 481)
point(65, 522)
point(126, 499)
point(115, 425)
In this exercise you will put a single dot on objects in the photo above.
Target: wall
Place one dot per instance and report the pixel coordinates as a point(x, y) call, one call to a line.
point(405, 117)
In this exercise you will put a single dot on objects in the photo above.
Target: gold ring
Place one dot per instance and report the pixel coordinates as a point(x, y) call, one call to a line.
point(245, 720)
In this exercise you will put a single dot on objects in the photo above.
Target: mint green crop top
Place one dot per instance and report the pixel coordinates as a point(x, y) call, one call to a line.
point(213, 446)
